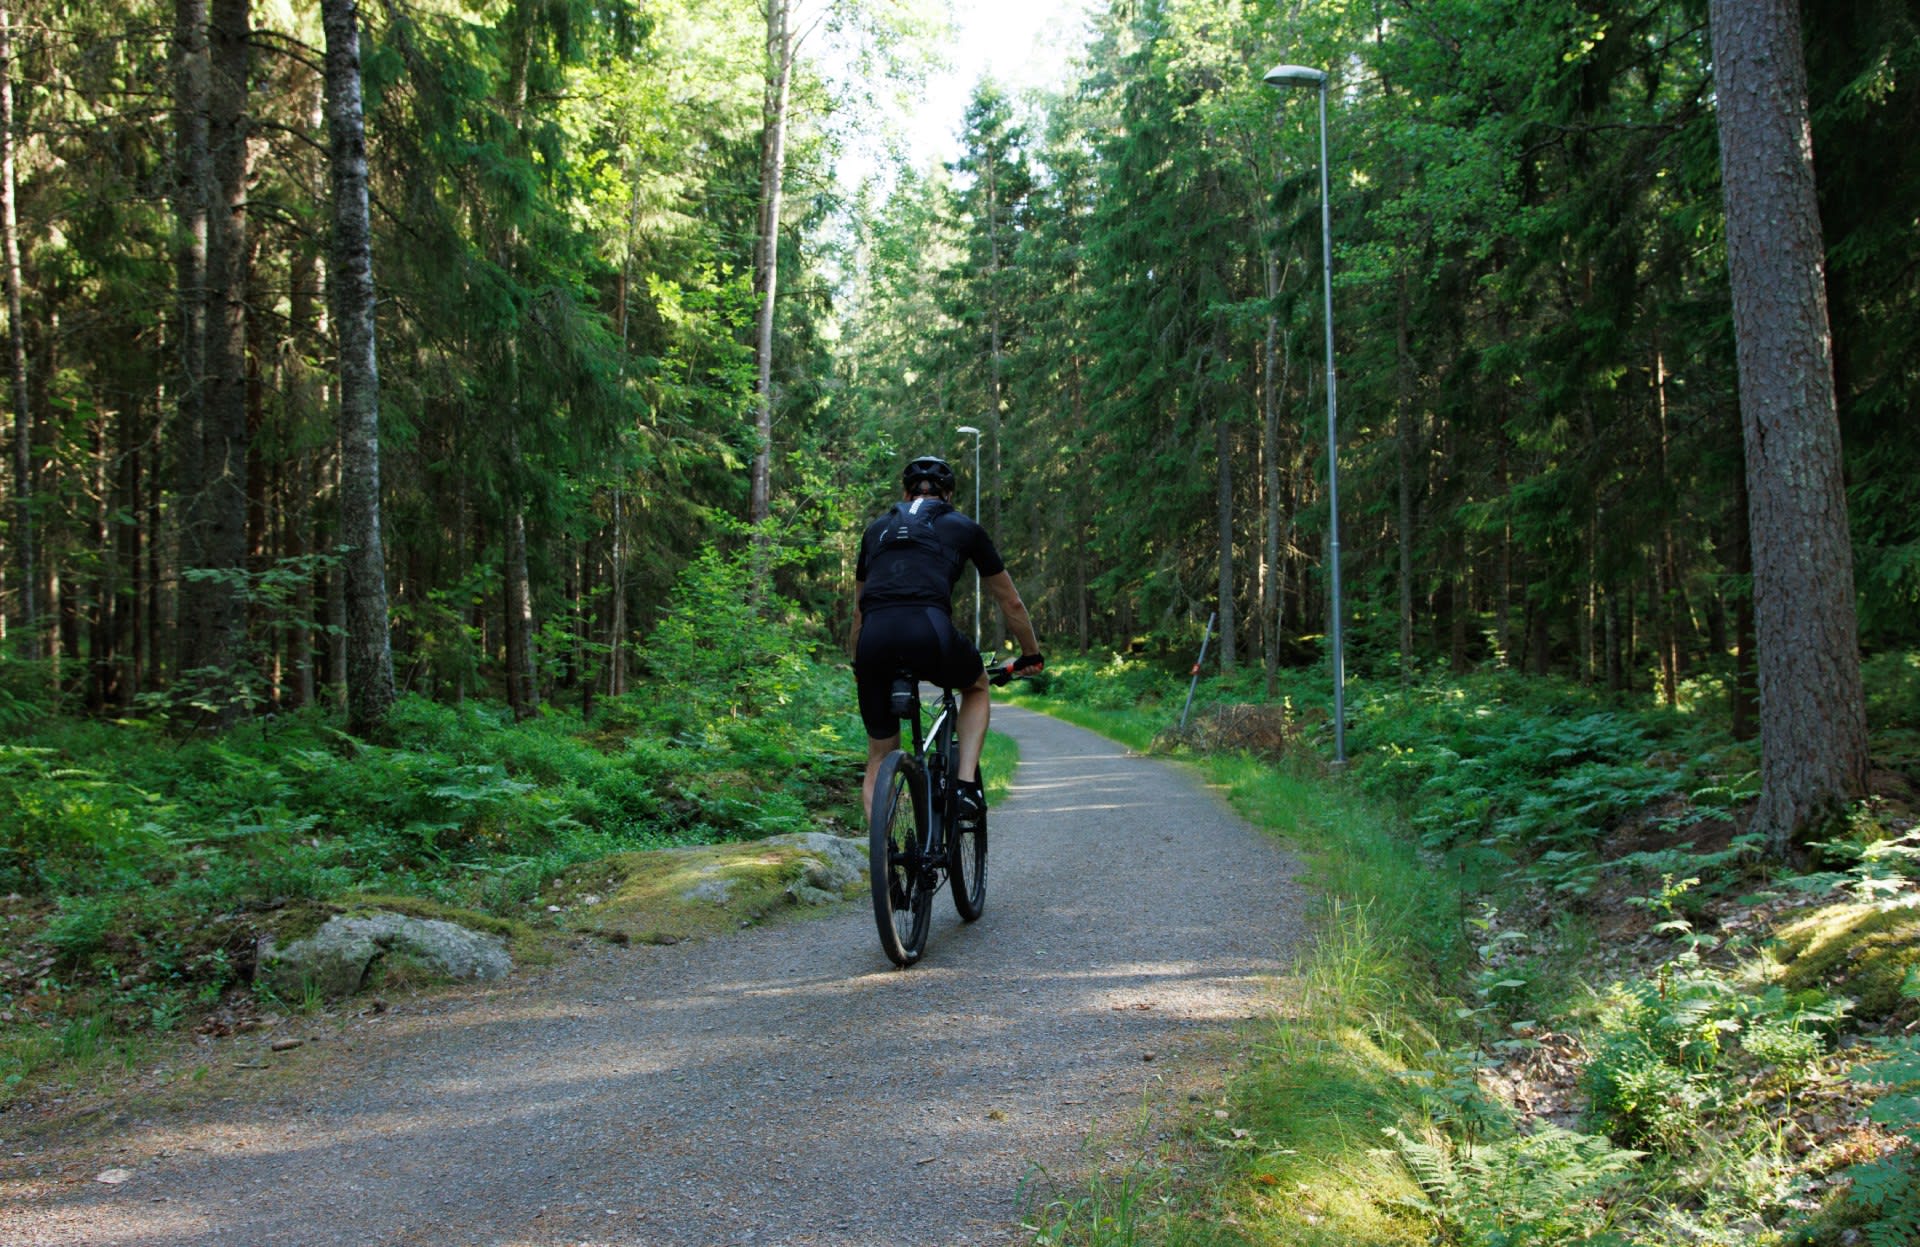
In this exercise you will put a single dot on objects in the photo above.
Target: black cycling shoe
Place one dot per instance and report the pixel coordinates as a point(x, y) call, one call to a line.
point(969, 806)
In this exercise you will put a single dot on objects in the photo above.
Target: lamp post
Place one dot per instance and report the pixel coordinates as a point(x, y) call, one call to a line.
point(967, 428)
point(1303, 76)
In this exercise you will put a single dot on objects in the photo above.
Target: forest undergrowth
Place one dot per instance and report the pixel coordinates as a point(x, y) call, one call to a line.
point(1557, 995)
point(141, 860)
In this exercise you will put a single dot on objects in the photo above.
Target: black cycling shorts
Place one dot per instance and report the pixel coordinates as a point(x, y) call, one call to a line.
point(920, 639)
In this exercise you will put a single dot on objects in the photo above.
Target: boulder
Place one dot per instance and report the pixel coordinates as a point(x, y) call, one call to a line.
point(830, 865)
point(334, 960)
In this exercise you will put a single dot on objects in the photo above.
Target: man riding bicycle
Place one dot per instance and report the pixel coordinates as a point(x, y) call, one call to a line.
point(910, 559)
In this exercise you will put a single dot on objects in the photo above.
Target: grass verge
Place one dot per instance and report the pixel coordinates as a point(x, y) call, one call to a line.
point(1558, 995)
point(1294, 1152)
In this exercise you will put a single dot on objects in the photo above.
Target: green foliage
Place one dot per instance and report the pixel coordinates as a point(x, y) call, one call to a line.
point(1542, 1188)
point(148, 869)
point(1693, 1063)
point(725, 649)
point(1884, 1199)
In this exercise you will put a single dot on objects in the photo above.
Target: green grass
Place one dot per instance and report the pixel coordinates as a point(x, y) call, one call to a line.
point(998, 759)
point(1292, 1155)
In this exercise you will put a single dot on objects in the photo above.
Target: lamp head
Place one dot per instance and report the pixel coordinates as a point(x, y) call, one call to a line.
point(1295, 76)
point(967, 428)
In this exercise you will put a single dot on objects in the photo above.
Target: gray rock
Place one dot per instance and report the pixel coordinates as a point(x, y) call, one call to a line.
point(833, 863)
point(335, 959)
point(719, 891)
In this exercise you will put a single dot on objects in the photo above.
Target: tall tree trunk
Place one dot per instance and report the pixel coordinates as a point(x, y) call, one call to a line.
point(773, 170)
point(1271, 388)
point(98, 680)
point(193, 179)
point(1223, 497)
point(1745, 707)
point(22, 535)
point(522, 689)
point(1503, 594)
point(350, 268)
point(1813, 730)
point(617, 625)
point(1669, 563)
point(1403, 446)
point(304, 395)
point(217, 599)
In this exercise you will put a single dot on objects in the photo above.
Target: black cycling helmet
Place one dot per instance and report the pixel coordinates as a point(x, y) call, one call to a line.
point(928, 468)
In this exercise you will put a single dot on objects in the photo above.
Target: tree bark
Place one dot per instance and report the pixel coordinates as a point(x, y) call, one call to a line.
point(369, 648)
point(1744, 707)
point(1403, 447)
point(193, 176)
point(1271, 387)
point(1223, 498)
point(522, 689)
point(773, 169)
point(215, 602)
point(1813, 729)
point(22, 534)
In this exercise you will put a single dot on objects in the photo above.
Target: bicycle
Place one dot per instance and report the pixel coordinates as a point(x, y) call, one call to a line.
point(914, 805)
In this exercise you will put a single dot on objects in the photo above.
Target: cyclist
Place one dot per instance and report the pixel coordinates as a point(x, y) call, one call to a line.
point(910, 559)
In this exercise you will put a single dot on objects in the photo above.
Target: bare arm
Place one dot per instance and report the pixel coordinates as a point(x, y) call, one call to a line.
point(1014, 610)
point(853, 633)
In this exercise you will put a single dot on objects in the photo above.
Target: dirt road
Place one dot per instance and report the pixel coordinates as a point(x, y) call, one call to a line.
point(783, 1086)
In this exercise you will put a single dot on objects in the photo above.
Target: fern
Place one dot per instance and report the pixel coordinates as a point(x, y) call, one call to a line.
point(1547, 1187)
point(1888, 1188)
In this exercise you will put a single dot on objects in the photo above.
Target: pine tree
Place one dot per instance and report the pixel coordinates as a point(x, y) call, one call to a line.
point(1813, 729)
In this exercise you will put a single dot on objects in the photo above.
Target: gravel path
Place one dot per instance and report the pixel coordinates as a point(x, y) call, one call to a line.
point(783, 1086)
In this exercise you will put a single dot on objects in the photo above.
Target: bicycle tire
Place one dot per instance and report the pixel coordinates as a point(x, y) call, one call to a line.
point(967, 868)
point(902, 897)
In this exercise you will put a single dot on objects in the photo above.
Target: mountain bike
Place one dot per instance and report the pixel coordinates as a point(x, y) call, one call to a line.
point(913, 848)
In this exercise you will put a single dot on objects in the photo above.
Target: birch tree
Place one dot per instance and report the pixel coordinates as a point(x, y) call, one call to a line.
point(21, 535)
point(350, 274)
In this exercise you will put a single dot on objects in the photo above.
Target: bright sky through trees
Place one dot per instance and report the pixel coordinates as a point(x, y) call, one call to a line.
point(1022, 43)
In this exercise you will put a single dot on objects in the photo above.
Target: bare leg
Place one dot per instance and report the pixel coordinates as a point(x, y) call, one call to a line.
point(877, 751)
point(976, 707)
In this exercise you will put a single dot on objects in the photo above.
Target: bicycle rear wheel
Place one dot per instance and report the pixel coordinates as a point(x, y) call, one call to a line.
point(967, 864)
point(902, 890)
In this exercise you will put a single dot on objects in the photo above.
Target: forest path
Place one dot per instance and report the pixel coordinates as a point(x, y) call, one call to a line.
point(782, 1086)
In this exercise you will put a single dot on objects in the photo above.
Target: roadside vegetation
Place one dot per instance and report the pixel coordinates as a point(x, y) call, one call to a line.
point(1556, 995)
point(142, 860)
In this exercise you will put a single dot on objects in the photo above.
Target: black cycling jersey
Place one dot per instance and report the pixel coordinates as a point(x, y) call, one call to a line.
point(913, 555)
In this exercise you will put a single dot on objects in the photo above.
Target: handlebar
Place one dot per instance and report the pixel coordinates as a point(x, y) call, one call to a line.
point(1024, 667)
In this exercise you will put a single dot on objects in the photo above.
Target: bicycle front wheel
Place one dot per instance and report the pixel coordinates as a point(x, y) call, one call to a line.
point(967, 864)
point(902, 892)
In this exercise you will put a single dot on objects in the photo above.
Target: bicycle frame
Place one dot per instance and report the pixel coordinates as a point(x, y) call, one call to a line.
point(934, 748)
point(909, 870)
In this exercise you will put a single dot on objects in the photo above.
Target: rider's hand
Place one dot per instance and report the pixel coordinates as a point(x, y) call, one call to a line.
point(1027, 664)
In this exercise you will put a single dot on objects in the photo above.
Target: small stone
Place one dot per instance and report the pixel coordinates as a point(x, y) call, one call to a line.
point(113, 1177)
point(287, 1045)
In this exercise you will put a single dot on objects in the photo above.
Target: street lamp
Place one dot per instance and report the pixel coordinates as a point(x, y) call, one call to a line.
point(967, 428)
point(1303, 76)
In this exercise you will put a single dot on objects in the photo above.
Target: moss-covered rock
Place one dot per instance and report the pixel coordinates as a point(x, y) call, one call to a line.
point(1858, 949)
point(668, 895)
point(335, 960)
